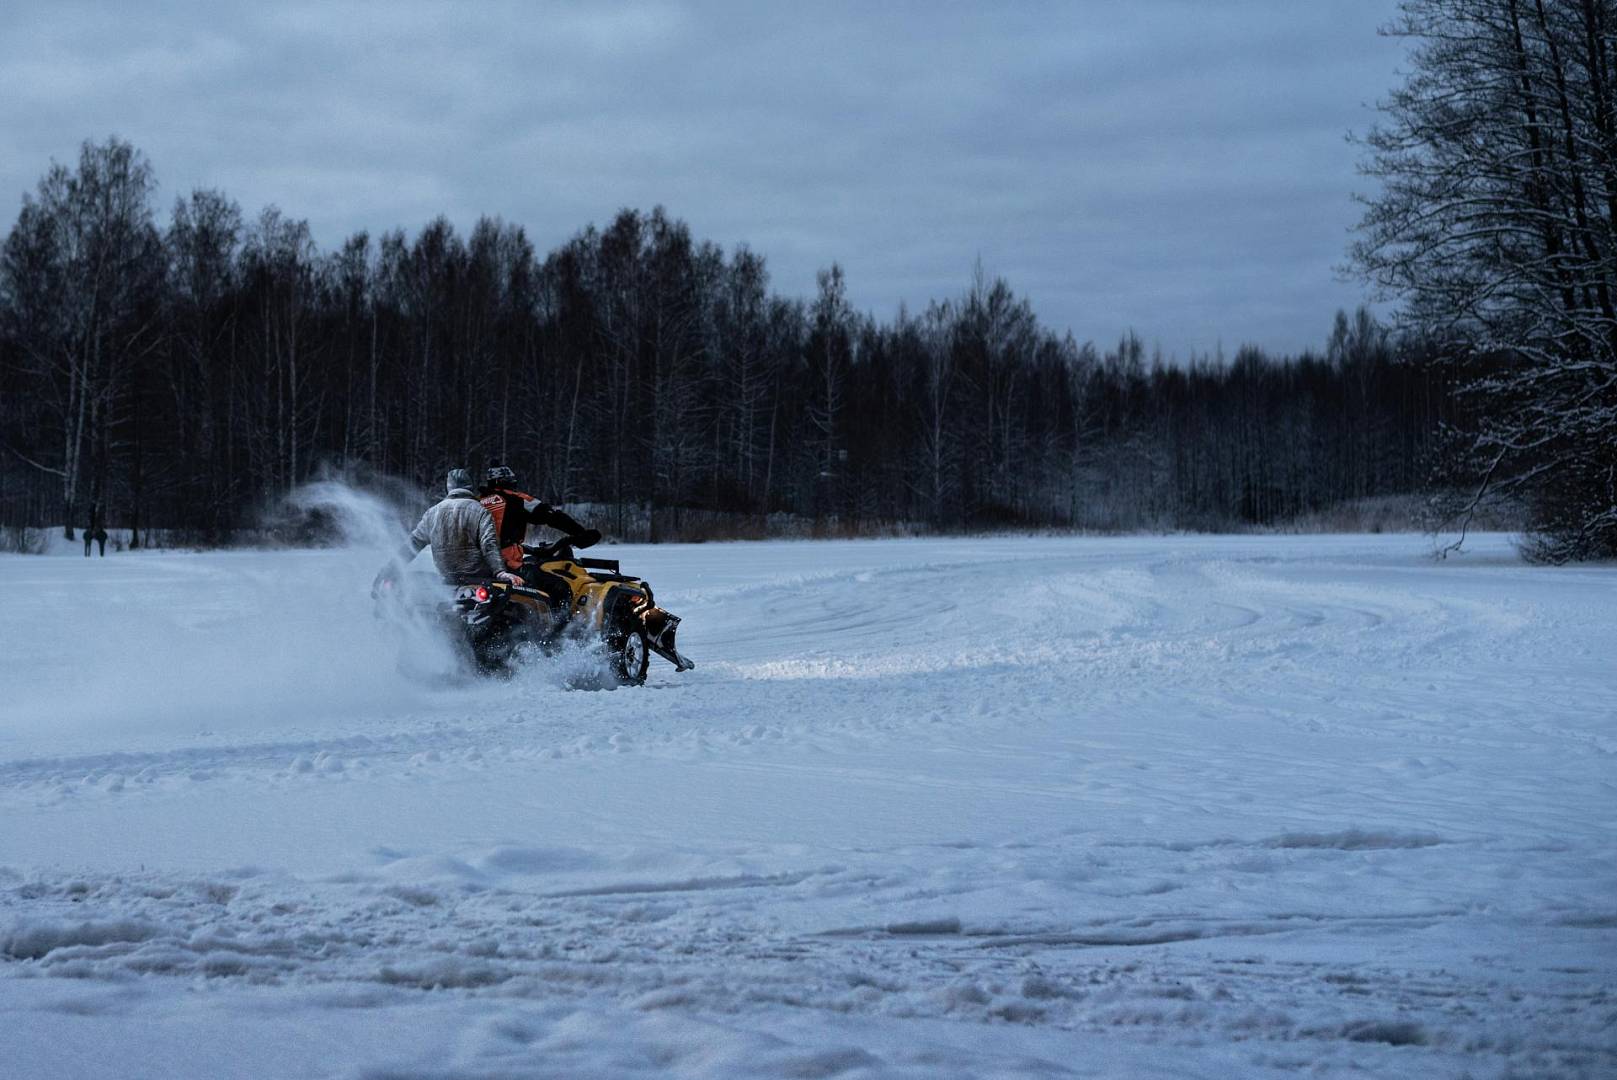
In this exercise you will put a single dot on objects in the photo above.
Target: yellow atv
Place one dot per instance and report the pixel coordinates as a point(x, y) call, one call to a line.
point(565, 598)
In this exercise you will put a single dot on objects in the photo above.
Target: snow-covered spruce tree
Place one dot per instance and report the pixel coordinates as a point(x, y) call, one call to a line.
point(1496, 225)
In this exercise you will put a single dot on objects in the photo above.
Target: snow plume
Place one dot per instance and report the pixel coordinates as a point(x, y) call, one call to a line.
point(243, 638)
point(368, 520)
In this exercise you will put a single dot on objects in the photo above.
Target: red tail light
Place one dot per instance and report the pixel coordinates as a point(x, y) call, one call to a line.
point(482, 594)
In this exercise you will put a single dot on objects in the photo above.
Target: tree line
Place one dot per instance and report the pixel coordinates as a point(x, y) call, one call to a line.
point(185, 374)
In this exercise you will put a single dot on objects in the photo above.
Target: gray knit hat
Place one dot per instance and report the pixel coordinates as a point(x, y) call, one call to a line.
point(459, 480)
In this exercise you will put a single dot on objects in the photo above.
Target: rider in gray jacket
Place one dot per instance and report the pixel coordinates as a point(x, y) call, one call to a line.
point(461, 533)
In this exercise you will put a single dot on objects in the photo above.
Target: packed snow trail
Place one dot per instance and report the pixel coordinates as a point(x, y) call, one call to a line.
point(1135, 807)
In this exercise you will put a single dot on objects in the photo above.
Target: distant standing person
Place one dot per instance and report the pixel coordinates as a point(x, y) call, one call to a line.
point(97, 531)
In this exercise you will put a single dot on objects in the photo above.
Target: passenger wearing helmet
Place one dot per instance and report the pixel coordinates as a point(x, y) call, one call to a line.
point(462, 535)
point(514, 511)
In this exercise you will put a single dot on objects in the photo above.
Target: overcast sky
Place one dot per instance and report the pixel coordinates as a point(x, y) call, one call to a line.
point(1175, 167)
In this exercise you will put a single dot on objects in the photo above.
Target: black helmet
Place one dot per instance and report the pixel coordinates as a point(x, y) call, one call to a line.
point(499, 476)
point(458, 480)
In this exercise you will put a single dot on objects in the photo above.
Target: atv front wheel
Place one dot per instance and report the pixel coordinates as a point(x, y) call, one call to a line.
point(630, 656)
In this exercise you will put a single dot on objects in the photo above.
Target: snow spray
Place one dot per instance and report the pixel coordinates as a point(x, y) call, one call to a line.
point(249, 638)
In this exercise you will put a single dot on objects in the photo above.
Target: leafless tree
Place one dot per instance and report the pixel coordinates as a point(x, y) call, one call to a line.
point(80, 273)
point(1496, 224)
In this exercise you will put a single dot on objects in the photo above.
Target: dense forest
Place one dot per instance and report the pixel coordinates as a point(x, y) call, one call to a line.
point(186, 374)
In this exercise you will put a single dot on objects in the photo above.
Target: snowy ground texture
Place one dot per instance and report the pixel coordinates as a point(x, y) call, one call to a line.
point(1143, 807)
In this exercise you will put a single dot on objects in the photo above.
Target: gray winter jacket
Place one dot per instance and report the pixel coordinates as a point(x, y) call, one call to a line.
point(460, 530)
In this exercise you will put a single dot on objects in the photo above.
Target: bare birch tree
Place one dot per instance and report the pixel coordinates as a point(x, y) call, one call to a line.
point(81, 273)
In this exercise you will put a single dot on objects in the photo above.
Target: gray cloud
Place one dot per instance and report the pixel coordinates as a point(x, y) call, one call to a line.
point(1175, 167)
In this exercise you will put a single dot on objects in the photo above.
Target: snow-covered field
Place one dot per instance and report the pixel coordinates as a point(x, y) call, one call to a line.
point(1258, 806)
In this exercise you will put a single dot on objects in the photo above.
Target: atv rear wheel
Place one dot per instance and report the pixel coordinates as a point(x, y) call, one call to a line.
point(630, 656)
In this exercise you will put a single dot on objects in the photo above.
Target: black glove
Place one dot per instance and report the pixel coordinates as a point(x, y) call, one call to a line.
point(587, 538)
